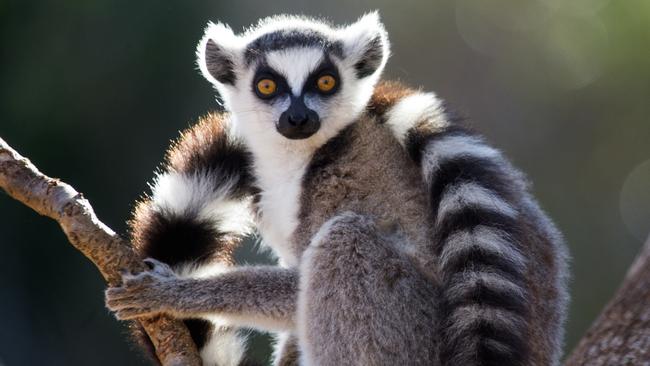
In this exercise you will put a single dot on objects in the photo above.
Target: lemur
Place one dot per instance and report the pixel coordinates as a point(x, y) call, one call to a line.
point(402, 237)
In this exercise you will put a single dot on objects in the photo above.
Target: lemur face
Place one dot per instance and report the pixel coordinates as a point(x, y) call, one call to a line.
point(301, 94)
point(294, 81)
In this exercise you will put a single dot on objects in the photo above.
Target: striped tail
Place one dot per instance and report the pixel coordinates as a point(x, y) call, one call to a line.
point(475, 197)
point(474, 194)
point(198, 212)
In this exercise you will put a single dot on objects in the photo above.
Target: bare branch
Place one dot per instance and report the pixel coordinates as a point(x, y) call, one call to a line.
point(108, 251)
point(621, 334)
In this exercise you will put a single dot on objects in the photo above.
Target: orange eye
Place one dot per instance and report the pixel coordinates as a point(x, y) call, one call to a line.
point(326, 83)
point(266, 87)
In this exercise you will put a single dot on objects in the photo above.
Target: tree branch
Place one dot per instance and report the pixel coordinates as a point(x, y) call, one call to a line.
point(109, 252)
point(621, 334)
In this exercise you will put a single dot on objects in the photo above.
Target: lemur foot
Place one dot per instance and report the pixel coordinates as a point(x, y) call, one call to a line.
point(144, 294)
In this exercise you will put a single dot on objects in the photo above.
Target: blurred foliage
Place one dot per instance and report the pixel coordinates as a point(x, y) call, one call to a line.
point(92, 92)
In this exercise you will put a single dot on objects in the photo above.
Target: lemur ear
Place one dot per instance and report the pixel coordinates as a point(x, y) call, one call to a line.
point(217, 54)
point(366, 43)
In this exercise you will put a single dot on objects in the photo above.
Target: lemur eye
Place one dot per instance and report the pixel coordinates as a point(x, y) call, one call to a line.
point(266, 87)
point(326, 83)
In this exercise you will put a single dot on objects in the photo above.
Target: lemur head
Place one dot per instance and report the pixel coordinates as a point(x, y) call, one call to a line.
point(293, 80)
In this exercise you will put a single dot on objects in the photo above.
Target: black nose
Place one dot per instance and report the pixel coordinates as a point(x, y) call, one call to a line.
point(298, 126)
point(297, 119)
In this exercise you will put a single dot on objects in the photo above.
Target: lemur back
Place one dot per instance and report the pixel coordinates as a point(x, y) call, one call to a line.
point(365, 170)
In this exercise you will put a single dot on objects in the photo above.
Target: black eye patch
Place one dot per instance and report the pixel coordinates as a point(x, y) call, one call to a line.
point(266, 72)
point(326, 67)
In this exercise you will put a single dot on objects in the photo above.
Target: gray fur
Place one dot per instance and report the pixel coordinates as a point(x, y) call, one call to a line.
point(365, 171)
point(415, 244)
point(237, 293)
point(381, 310)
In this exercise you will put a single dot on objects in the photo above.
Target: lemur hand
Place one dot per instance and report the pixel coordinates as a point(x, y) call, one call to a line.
point(144, 294)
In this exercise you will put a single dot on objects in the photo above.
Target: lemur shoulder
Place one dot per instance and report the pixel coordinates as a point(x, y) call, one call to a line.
point(401, 237)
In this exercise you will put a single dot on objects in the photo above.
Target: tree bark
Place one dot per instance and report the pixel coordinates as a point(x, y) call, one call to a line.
point(621, 334)
point(108, 251)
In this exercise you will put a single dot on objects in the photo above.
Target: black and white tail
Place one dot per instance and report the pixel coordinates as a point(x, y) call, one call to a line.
point(198, 212)
point(475, 196)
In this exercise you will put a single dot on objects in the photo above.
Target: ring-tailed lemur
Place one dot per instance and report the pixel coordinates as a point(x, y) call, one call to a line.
point(402, 238)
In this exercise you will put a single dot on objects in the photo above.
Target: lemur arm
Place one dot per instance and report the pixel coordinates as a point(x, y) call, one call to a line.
point(476, 198)
point(263, 297)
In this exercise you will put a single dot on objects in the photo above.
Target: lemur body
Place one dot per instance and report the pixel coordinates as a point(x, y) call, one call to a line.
point(401, 237)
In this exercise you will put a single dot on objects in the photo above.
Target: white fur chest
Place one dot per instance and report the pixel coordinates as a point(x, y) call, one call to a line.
point(280, 181)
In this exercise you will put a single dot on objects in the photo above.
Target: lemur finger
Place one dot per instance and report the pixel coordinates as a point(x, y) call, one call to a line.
point(113, 292)
point(132, 313)
point(117, 293)
point(120, 304)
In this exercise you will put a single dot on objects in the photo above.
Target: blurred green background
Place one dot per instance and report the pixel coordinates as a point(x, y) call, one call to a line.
point(93, 91)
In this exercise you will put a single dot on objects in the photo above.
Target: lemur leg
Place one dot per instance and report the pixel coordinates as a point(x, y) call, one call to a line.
point(262, 297)
point(362, 300)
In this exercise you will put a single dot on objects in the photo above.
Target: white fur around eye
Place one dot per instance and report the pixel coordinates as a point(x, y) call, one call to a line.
point(295, 64)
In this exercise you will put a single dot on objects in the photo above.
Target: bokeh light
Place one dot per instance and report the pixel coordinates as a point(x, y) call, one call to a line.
point(552, 42)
